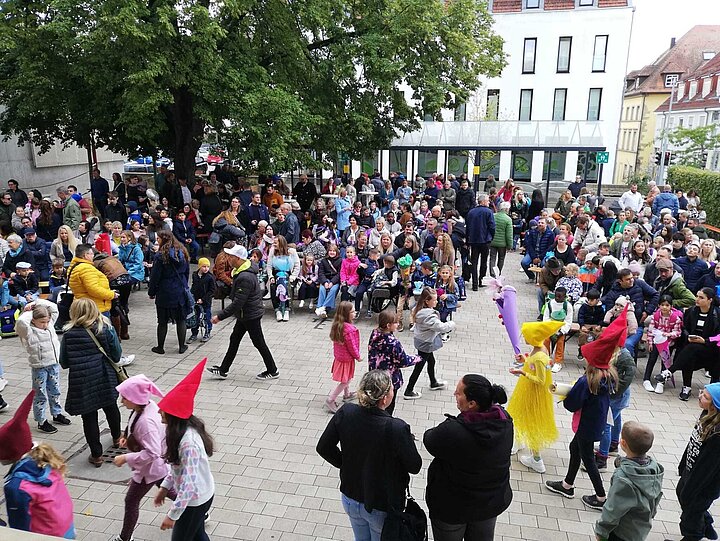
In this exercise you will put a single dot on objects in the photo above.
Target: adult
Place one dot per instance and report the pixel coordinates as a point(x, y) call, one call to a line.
point(343, 209)
point(538, 242)
point(62, 249)
point(227, 225)
point(480, 226)
point(305, 192)
point(376, 455)
point(692, 266)
point(502, 239)
point(40, 251)
point(87, 339)
point(19, 197)
point(72, 215)
point(7, 211)
point(562, 251)
point(431, 192)
point(290, 228)
point(210, 204)
point(115, 209)
point(86, 281)
point(711, 279)
point(469, 478)
point(248, 310)
point(99, 188)
point(588, 234)
point(564, 203)
point(465, 198)
point(130, 255)
point(272, 199)
point(47, 222)
point(670, 282)
point(328, 280)
point(447, 195)
point(548, 278)
point(222, 270)
point(507, 190)
point(576, 186)
point(666, 200)
point(352, 233)
point(17, 252)
point(632, 199)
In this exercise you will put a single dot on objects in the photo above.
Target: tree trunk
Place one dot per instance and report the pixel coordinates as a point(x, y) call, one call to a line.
point(188, 130)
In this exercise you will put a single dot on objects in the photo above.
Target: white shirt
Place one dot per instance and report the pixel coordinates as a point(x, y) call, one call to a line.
point(631, 200)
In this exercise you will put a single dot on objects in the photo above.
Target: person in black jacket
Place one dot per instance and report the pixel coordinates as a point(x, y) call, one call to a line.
point(305, 192)
point(203, 290)
point(469, 477)
point(247, 307)
point(376, 455)
point(329, 280)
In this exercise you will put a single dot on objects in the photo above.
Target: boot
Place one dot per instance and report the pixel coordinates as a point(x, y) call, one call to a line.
point(123, 330)
point(115, 320)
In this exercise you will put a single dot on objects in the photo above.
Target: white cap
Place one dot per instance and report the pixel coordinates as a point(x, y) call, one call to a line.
point(23, 265)
point(238, 251)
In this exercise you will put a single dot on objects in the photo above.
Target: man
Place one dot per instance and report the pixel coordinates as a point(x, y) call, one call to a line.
point(19, 197)
point(290, 228)
point(502, 240)
point(408, 230)
point(305, 192)
point(40, 251)
point(86, 281)
point(666, 200)
point(256, 213)
point(588, 234)
point(185, 193)
point(160, 178)
point(643, 296)
point(538, 242)
point(632, 199)
point(651, 272)
point(99, 189)
point(247, 307)
point(72, 216)
point(692, 266)
point(272, 200)
point(447, 195)
point(7, 210)
point(115, 211)
point(547, 280)
point(431, 192)
point(670, 282)
point(576, 186)
point(480, 226)
point(682, 200)
point(428, 232)
point(697, 228)
point(465, 198)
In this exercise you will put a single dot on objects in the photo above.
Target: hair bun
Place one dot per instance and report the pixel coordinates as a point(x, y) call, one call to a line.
point(499, 396)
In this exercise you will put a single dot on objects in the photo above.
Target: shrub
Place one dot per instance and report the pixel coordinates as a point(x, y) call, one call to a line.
point(706, 183)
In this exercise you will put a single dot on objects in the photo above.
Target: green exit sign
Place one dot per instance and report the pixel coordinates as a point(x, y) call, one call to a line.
point(603, 157)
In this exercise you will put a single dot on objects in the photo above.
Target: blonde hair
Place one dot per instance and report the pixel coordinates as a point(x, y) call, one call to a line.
point(595, 377)
point(72, 241)
point(129, 236)
point(451, 285)
point(229, 218)
point(46, 455)
point(446, 255)
point(85, 313)
point(374, 385)
point(571, 269)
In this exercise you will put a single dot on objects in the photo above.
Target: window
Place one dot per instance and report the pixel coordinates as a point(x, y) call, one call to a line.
point(633, 141)
point(593, 112)
point(521, 165)
point(460, 112)
point(554, 165)
point(532, 4)
point(599, 53)
point(701, 121)
point(427, 163)
point(489, 162)
point(681, 121)
point(708, 55)
point(529, 55)
point(693, 89)
point(398, 160)
point(563, 59)
point(586, 3)
point(671, 79)
point(623, 146)
point(691, 121)
point(493, 104)
point(457, 162)
point(587, 167)
point(559, 104)
point(526, 96)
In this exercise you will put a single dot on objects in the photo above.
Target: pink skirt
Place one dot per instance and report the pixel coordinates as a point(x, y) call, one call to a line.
point(343, 371)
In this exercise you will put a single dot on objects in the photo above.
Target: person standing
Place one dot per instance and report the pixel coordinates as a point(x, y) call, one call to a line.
point(72, 215)
point(247, 307)
point(502, 239)
point(19, 197)
point(305, 192)
point(480, 225)
point(99, 189)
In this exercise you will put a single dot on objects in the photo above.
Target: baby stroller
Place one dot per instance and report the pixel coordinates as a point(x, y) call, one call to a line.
point(381, 298)
point(197, 317)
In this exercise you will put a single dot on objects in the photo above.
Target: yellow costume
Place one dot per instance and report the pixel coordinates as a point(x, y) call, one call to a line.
point(531, 404)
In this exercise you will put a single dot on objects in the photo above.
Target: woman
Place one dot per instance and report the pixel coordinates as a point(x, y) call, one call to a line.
point(328, 280)
point(708, 252)
point(386, 246)
point(120, 281)
point(168, 281)
point(86, 344)
point(155, 225)
point(700, 323)
point(351, 234)
point(131, 256)
point(119, 187)
point(410, 246)
point(63, 247)
point(444, 252)
point(537, 203)
point(693, 198)
point(279, 266)
point(117, 228)
point(191, 216)
point(227, 225)
point(222, 270)
point(376, 232)
point(507, 190)
point(48, 222)
point(562, 250)
point(85, 234)
point(265, 243)
point(469, 477)
point(619, 224)
point(564, 203)
point(376, 455)
point(343, 209)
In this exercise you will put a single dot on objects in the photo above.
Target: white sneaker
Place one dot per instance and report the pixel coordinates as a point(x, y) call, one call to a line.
point(126, 360)
point(3, 383)
point(556, 368)
point(516, 447)
point(286, 316)
point(278, 315)
point(659, 388)
point(707, 374)
point(302, 304)
point(311, 305)
point(445, 337)
point(318, 311)
point(530, 462)
point(648, 386)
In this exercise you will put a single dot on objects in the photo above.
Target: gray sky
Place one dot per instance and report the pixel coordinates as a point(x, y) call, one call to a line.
point(657, 21)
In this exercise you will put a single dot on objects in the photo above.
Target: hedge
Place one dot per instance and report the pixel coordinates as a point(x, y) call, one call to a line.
point(706, 183)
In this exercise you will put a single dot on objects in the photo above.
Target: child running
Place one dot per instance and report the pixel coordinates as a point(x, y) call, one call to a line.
point(346, 348)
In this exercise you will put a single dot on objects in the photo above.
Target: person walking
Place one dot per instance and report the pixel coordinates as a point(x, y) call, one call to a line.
point(247, 307)
point(502, 240)
point(480, 226)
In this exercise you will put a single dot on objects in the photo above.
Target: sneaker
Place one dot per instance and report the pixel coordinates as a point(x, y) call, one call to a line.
point(126, 360)
point(60, 419)
point(206, 337)
point(445, 336)
point(286, 316)
point(46, 427)
point(301, 304)
point(516, 447)
point(659, 388)
point(401, 327)
point(613, 451)
point(3, 404)
point(118, 538)
point(412, 326)
point(318, 310)
point(648, 386)
point(192, 338)
point(3, 383)
point(580, 356)
point(158, 350)
point(266, 296)
point(217, 371)
point(310, 306)
point(663, 376)
point(369, 314)
point(558, 488)
point(440, 384)
point(278, 315)
point(707, 375)
point(536, 465)
point(182, 349)
point(413, 395)
point(331, 406)
point(556, 368)
point(349, 397)
point(710, 532)
point(267, 375)
point(592, 502)
point(685, 394)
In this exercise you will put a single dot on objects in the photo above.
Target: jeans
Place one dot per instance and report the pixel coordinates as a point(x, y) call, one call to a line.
point(366, 526)
point(193, 249)
point(497, 259)
point(582, 450)
point(92, 429)
point(254, 328)
point(540, 300)
point(207, 309)
point(326, 298)
point(191, 524)
point(525, 264)
point(478, 251)
point(612, 432)
point(632, 341)
point(428, 358)
point(46, 384)
point(360, 294)
point(481, 530)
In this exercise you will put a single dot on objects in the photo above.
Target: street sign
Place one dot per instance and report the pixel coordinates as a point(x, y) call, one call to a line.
point(476, 169)
point(603, 157)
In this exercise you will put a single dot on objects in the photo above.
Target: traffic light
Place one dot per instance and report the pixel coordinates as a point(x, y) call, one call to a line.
point(667, 158)
point(657, 158)
point(673, 158)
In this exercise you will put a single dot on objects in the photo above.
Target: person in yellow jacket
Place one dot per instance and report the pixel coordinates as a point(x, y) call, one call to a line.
point(87, 282)
point(531, 404)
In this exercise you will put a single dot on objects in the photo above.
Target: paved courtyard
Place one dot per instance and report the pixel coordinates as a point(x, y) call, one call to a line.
point(271, 484)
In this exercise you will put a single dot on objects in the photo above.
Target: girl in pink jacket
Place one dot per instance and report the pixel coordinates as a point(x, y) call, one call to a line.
point(145, 439)
point(346, 347)
point(349, 277)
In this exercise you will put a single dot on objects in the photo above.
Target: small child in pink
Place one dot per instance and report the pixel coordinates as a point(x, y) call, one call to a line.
point(349, 276)
point(346, 348)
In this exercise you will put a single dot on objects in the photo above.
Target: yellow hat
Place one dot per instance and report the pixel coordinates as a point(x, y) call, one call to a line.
point(535, 333)
point(203, 261)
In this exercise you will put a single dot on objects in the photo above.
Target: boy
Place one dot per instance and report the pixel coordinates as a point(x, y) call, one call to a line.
point(185, 234)
point(366, 270)
point(588, 273)
point(558, 308)
point(24, 286)
point(57, 280)
point(635, 489)
point(203, 289)
point(590, 318)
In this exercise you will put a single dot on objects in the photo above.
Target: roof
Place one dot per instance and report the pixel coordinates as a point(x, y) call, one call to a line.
point(516, 6)
point(684, 58)
point(709, 72)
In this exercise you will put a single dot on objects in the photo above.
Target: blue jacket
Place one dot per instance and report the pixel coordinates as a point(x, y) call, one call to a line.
point(666, 200)
point(343, 208)
point(183, 231)
point(644, 298)
point(480, 225)
point(131, 256)
point(40, 250)
point(594, 408)
point(168, 281)
point(537, 246)
point(693, 271)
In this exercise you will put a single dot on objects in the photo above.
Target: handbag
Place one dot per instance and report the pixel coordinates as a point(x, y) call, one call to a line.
point(120, 371)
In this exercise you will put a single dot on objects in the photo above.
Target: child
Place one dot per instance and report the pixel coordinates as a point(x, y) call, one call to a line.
point(386, 277)
point(58, 277)
point(366, 270)
point(590, 319)
point(24, 286)
point(36, 329)
point(35, 493)
point(386, 352)
point(427, 339)
point(618, 309)
point(188, 447)
point(558, 308)
point(635, 489)
point(571, 283)
point(203, 289)
point(588, 274)
point(308, 281)
point(667, 321)
point(447, 292)
point(145, 440)
point(349, 277)
point(589, 400)
point(531, 404)
point(346, 347)
point(407, 268)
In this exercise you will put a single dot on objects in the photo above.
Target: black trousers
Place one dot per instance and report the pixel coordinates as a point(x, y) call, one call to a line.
point(91, 428)
point(191, 524)
point(164, 316)
point(308, 291)
point(480, 251)
point(254, 328)
point(427, 358)
point(363, 288)
point(695, 357)
point(582, 450)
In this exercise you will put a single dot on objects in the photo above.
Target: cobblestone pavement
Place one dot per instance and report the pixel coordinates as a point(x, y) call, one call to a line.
point(271, 484)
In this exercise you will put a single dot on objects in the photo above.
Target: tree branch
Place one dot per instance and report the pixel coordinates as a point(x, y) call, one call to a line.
point(331, 41)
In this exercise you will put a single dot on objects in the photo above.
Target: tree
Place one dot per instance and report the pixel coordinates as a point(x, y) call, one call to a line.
point(695, 144)
point(274, 79)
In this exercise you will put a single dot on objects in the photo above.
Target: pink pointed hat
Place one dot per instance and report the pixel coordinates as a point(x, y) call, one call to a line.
point(138, 389)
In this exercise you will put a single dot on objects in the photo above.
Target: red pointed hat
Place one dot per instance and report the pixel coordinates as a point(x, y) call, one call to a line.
point(180, 400)
point(15, 434)
point(599, 352)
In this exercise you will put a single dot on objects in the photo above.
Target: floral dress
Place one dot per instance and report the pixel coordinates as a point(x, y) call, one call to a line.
point(386, 352)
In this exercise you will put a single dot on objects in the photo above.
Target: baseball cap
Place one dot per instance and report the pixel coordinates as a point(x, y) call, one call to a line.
point(238, 251)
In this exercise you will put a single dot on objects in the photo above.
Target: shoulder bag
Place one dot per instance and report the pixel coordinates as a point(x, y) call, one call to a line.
point(120, 371)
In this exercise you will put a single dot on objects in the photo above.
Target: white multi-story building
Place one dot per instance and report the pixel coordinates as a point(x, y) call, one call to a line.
point(557, 102)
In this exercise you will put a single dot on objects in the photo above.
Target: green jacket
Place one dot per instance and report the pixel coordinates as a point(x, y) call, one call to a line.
point(72, 216)
point(632, 501)
point(503, 237)
point(681, 295)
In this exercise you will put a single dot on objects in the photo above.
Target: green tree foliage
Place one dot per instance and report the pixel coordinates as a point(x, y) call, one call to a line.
point(706, 183)
point(275, 79)
point(695, 143)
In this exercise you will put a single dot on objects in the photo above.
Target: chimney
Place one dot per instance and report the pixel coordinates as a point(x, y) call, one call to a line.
point(672, 42)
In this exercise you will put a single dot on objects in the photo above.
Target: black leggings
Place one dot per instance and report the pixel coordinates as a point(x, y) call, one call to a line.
point(308, 291)
point(254, 329)
point(582, 449)
point(695, 357)
point(191, 524)
point(428, 358)
point(162, 326)
point(91, 428)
